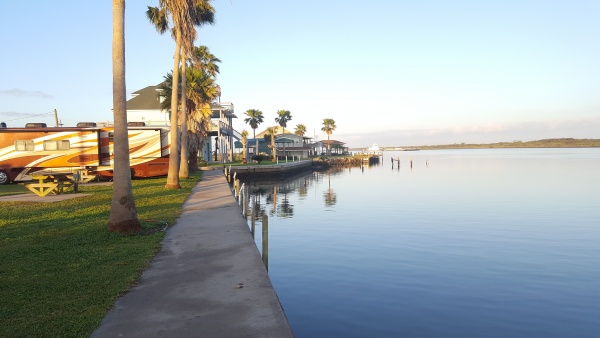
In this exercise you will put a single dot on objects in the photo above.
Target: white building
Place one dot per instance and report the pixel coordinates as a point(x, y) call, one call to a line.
point(146, 106)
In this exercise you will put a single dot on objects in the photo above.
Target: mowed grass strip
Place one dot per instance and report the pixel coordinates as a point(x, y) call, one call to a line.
point(61, 270)
point(12, 189)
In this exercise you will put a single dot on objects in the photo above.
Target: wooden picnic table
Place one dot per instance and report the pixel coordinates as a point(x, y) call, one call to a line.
point(50, 184)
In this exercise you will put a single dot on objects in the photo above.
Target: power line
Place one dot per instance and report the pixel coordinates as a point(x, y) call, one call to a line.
point(28, 117)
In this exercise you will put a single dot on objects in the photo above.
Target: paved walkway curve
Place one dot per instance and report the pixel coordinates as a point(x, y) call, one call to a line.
point(208, 279)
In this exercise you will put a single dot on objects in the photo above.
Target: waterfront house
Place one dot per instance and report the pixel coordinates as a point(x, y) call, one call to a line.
point(292, 145)
point(146, 106)
point(337, 147)
point(286, 144)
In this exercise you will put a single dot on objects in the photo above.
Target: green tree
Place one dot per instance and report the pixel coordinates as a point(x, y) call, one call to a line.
point(201, 90)
point(184, 14)
point(244, 146)
point(271, 132)
point(255, 117)
point(123, 214)
point(328, 127)
point(283, 116)
point(300, 130)
point(203, 59)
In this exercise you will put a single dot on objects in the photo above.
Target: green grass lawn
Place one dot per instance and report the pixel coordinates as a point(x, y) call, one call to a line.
point(61, 270)
point(12, 189)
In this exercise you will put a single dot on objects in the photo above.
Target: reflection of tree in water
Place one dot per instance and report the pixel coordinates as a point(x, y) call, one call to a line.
point(329, 195)
point(272, 198)
point(286, 209)
point(276, 198)
point(303, 188)
point(258, 207)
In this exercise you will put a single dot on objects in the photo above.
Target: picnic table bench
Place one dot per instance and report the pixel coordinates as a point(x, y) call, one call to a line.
point(50, 184)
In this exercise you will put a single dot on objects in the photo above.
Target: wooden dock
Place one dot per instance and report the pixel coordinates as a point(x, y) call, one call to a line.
point(369, 159)
point(262, 171)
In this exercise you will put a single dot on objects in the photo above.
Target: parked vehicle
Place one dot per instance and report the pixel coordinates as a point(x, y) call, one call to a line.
point(25, 152)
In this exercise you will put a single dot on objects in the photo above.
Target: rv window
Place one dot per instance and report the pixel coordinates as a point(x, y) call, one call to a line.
point(24, 145)
point(64, 145)
point(111, 137)
point(57, 145)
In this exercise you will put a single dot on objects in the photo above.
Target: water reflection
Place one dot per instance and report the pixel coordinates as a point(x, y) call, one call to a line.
point(494, 243)
point(329, 195)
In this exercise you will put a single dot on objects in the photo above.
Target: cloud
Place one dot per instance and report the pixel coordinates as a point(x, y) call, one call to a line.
point(24, 93)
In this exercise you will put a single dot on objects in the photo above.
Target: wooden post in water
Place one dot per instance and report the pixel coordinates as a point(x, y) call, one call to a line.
point(246, 201)
point(265, 241)
point(236, 187)
point(253, 220)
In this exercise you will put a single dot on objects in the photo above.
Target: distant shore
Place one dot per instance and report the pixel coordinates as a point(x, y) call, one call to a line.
point(546, 143)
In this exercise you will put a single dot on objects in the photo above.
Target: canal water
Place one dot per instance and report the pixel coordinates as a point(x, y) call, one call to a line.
point(451, 243)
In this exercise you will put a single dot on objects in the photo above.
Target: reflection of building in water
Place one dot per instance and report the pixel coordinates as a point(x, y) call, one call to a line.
point(264, 199)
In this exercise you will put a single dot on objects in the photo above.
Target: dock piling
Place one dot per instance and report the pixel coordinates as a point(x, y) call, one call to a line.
point(265, 241)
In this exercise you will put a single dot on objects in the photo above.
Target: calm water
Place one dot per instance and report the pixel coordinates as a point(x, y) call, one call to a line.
point(467, 243)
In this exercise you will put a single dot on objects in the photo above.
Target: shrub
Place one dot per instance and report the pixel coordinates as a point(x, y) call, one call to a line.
point(258, 158)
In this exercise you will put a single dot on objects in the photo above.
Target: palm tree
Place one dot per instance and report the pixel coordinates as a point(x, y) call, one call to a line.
point(123, 214)
point(201, 89)
point(283, 116)
point(328, 128)
point(205, 61)
point(184, 14)
point(255, 117)
point(204, 91)
point(272, 131)
point(244, 146)
point(300, 130)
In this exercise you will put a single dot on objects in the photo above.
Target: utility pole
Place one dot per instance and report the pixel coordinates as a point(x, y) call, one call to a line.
point(56, 117)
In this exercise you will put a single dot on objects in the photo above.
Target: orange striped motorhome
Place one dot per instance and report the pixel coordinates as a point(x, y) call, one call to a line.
point(37, 148)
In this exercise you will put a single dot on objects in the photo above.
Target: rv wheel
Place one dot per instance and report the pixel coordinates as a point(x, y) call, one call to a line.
point(3, 177)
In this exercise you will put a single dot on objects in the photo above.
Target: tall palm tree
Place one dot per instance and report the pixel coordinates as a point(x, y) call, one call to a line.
point(205, 61)
point(123, 214)
point(255, 117)
point(283, 116)
point(272, 131)
point(328, 128)
point(201, 90)
point(198, 128)
point(300, 130)
point(184, 160)
point(184, 14)
point(244, 146)
point(204, 90)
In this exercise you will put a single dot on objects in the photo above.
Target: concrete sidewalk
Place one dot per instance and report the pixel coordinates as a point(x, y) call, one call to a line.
point(208, 279)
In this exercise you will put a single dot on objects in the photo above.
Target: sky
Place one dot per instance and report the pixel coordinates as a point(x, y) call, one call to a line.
point(390, 72)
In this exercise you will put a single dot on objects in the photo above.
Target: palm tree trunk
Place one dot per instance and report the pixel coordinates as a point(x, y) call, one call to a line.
point(193, 158)
point(173, 173)
point(273, 147)
point(244, 154)
point(183, 167)
point(255, 142)
point(123, 215)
